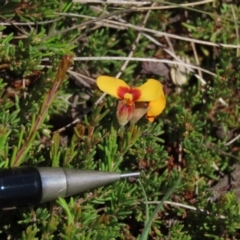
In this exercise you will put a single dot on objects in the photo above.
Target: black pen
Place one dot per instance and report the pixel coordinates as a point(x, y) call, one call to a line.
point(21, 187)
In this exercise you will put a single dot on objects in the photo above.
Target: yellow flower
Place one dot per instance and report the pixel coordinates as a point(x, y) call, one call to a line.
point(156, 107)
point(128, 108)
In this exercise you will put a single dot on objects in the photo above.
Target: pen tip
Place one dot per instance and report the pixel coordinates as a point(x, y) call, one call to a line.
point(127, 175)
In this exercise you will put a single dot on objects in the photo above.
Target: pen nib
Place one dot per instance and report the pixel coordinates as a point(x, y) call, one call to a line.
point(127, 175)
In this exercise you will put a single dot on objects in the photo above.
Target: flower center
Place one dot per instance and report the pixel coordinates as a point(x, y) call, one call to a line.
point(128, 97)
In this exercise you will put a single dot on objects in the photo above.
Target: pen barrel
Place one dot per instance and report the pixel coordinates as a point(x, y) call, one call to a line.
point(64, 182)
point(20, 187)
point(28, 186)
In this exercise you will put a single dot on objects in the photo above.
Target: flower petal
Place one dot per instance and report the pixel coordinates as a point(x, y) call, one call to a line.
point(110, 85)
point(124, 112)
point(141, 109)
point(150, 91)
point(156, 107)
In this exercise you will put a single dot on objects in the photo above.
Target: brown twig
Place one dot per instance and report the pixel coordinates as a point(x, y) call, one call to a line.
point(47, 101)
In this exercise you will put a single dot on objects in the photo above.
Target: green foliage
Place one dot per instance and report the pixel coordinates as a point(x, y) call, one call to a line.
point(221, 224)
point(44, 88)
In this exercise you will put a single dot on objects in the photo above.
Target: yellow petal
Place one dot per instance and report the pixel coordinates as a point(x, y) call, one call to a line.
point(150, 91)
point(110, 85)
point(156, 107)
point(150, 119)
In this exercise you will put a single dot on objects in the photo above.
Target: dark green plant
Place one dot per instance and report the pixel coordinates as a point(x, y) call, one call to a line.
point(43, 88)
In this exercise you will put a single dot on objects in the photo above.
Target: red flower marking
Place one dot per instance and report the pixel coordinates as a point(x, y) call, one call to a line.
point(136, 94)
point(121, 91)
